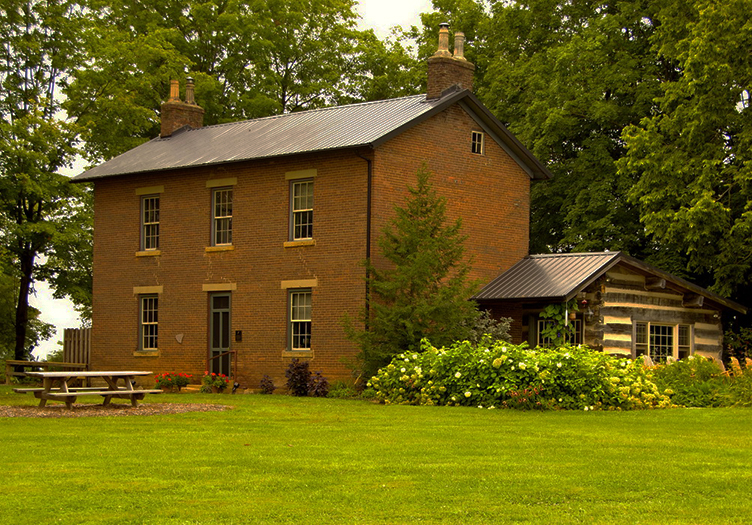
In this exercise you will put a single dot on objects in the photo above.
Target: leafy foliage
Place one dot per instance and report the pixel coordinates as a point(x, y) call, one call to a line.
point(318, 385)
point(41, 214)
point(558, 329)
point(500, 375)
point(691, 155)
point(424, 290)
point(267, 385)
point(298, 377)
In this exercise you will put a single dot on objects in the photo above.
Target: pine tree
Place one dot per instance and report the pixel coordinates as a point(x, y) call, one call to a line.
point(423, 292)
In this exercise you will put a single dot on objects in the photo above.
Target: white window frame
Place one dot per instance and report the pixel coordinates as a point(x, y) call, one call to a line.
point(573, 338)
point(645, 333)
point(148, 323)
point(478, 142)
point(301, 213)
point(299, 319)
point(222, 216)
point(150, 222)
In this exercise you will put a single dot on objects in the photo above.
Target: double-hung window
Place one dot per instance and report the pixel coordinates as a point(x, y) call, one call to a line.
point(661, 341)
point(150, 222)
point(476, 145)
point(222, 217)
point(299, 320)
point(149, 323)
point(301, 210)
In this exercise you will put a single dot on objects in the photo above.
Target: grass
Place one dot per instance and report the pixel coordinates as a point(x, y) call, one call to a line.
point(279, 459)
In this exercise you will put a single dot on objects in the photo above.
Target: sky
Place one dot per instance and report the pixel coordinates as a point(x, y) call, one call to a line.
point(379, 15)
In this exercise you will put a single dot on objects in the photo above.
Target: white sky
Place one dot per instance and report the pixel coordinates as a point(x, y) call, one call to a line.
point(379, 15)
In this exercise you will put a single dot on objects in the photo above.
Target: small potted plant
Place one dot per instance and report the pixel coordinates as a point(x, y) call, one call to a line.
point(172, 381)
point(215, 383)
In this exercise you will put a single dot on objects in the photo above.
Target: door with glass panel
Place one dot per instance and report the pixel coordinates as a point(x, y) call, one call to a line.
point(219, 333)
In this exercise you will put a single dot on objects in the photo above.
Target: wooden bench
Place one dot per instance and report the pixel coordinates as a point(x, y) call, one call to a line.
point(70, 389)
point(11, 364)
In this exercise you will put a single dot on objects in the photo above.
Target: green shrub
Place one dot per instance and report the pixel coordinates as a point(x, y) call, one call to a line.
point(488, 374)
point(341, 390)
point(694, 381)
point(739, 391)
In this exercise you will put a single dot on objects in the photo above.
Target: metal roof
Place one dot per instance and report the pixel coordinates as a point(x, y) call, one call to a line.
point(560, 276)
point(555, 276)
point(355, 125)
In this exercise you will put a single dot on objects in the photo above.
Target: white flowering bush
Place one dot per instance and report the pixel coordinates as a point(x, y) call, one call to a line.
point(495, 374)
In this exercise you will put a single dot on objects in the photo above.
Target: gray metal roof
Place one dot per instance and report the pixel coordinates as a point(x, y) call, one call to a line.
point(555, 276)
point(560, 276)
point(355, 125)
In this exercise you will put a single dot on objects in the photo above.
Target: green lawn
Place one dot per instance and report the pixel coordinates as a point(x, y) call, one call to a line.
point(278, 459)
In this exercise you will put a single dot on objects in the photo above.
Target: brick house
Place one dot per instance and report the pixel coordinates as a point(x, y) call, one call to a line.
point(248, 237)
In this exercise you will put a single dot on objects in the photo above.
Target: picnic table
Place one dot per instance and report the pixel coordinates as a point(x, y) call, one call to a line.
point(56, 386)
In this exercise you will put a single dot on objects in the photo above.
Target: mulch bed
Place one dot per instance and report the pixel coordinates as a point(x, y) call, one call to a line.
point(119, 409)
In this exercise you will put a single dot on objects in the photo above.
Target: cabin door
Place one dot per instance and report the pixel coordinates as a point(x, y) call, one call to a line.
point(219, 333)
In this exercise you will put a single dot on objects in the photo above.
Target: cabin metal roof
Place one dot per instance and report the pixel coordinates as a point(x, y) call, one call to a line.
point(559, 277)
point(351, 126)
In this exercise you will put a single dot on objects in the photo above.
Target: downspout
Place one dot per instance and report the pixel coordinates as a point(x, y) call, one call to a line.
point(369, 196)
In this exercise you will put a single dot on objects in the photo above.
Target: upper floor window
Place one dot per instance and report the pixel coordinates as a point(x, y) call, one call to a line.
point(150, 222)
point(661, 341)
point(301, 219)
point(149, 322)
point(477, 142)
point(299, 320)
point(221, 216)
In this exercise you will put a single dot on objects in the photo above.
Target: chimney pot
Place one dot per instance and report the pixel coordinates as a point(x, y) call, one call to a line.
point(459, 45)
point(443, 50)
point(174, 91)
point(189, 96)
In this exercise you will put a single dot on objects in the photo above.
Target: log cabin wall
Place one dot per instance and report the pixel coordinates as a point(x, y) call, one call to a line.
point(622, 299)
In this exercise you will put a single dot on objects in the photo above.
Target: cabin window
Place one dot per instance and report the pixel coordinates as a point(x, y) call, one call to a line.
point(477, 142)
point(661, 341)
point(573, 338)
point(222, 217)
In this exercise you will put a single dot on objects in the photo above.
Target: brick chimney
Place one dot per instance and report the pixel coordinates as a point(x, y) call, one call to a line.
point(445, 70)
point(176, 113)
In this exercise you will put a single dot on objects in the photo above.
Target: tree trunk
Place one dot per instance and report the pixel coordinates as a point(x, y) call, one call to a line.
point(22, 310)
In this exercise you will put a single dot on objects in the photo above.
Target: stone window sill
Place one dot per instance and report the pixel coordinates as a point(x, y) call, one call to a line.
point(149, 253)
point(228, 248)
point(146, 353)
point(296, 244)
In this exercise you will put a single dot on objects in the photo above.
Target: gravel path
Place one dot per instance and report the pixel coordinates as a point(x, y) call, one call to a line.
point(120, 409)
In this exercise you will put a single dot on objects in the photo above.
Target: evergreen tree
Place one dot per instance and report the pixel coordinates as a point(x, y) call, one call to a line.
point(423, 292)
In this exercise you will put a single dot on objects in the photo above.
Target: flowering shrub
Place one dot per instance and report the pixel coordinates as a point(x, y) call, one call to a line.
point(172, 380)
point(495, 374)
point(697, 381)
point(212, 381)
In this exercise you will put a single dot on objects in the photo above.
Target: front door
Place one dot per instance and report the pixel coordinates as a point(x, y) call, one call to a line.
point(219, 333)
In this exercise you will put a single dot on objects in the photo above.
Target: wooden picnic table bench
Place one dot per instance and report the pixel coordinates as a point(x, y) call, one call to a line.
point(68, 394)
point(11, 364)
